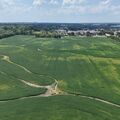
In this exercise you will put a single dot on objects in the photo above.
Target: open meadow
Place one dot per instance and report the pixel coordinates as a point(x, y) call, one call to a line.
point(73, 78)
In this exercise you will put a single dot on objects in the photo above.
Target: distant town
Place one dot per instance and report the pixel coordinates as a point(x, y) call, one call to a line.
point(59, 30)
point(96, 33)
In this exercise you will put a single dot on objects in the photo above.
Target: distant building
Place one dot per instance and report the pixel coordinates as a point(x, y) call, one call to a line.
point(62, 32)
point(108, 35)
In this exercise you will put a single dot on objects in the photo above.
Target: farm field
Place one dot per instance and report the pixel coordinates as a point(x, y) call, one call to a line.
point(73, 78)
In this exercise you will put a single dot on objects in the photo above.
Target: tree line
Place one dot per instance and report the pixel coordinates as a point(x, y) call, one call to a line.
point(11, 30)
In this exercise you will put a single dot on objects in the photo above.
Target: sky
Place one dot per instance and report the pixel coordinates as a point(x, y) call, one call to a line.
point(60, 11)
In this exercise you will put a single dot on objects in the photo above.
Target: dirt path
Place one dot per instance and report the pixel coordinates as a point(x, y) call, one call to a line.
point(96, 99)
point(7, 59)
point(51, 89)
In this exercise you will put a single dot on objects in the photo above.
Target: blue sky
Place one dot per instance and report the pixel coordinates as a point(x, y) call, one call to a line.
point(80, 11)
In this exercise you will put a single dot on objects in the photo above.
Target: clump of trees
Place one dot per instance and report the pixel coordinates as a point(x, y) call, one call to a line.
point(11, 30)
point(5, 34)
point(117, 38)
point(47, 34)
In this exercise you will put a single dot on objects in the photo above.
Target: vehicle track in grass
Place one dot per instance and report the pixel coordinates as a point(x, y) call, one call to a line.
point(7, 59)
point(94, 98)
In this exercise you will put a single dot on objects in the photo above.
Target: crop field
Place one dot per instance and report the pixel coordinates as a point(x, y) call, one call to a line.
point(73, 78)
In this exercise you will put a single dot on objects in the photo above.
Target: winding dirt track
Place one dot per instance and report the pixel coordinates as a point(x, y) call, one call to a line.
point(52, 89)
point(96, 99)
point(7, 59)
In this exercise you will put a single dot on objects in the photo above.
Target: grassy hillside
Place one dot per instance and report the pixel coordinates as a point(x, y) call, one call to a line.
point(83, 66)
point(58, 108)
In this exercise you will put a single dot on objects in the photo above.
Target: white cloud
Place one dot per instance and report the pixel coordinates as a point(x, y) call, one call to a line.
point(41, 2)
point(63, 2)
point(72, 2)
point(58, 8)
point(101, 7)
point(54, 2)
point(6, 3)
point(83, 7)
point(13, 7)
point(38, 2)
point(106, 2)
point(105, 7)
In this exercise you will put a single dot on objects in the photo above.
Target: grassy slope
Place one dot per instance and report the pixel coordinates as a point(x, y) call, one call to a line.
point(89, 66)
point(11, 88)
point(58, 108)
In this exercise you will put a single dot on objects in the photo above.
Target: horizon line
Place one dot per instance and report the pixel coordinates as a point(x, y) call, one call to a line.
point(62, 22)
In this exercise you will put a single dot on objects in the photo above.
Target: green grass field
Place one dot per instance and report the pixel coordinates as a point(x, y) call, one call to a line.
point(87, 70)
